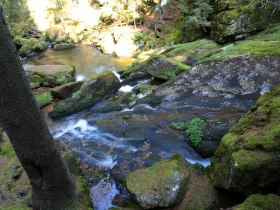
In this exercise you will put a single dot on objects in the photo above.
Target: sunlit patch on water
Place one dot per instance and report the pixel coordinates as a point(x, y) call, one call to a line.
point(80, 77)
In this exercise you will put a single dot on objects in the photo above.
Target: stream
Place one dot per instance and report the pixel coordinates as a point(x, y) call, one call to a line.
point(137, 144)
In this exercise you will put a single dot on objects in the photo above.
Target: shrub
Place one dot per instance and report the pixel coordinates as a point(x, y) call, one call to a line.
point(196, 14)
point(144, 41)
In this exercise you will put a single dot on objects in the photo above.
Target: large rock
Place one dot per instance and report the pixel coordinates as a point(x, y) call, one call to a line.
point(238, 19)
point(247, 158)
point(66, 91)
point(160, 185)
point(172, 182)
point(96, 88)
point(263, 202)
point(229, 86)
point(50, 75)
point(158, 67)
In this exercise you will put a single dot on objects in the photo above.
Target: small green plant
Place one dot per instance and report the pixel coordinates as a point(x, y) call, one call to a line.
point(194, 131)
point(181, 126)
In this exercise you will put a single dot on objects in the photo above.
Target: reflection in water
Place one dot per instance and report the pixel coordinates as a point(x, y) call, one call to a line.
point(86, 59)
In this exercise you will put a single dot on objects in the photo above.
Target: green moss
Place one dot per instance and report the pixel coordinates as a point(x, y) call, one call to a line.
point(263, 202)
point(35, 78)
point(7, 151)
point(158, 176)
point(89, 94)
point(18, 40)
point(181, 126)
point(44, 99)
point(191, 52)
point(262, 44)
point(151, 176)
point(40, 46)
point(248, 152)
point(250, 160)
point(176, 33)
point(228, 20)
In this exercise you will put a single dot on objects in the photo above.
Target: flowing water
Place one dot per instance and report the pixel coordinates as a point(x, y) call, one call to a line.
point(140, 142)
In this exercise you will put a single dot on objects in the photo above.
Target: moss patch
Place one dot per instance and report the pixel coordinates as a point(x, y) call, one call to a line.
point(262, 44)
point(264, 202)
point(44, 99)
point(192, 52)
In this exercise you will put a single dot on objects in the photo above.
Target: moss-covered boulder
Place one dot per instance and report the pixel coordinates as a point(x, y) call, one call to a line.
point(27, 47)
point(263, 202)
point(35, 81)
point(238, 19)
point(52, 75)
point(247, 158)
point(44, 99)
point(261, 45)
point(118, 103)
point(155, 186)
point(96, 88)
point(157, 66)
point(40, 46)
point(160, 185)
point(67, 90)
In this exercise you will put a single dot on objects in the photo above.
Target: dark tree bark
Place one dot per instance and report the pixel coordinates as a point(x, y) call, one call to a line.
point(51, 183)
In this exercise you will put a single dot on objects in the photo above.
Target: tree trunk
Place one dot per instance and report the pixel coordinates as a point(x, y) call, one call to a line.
point(51, 183)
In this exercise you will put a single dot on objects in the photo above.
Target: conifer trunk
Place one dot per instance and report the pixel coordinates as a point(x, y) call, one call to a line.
point(20, 116)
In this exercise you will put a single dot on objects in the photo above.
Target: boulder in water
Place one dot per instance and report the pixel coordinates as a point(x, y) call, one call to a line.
point(96, 88)
point(66, 91)
point(52, 75)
